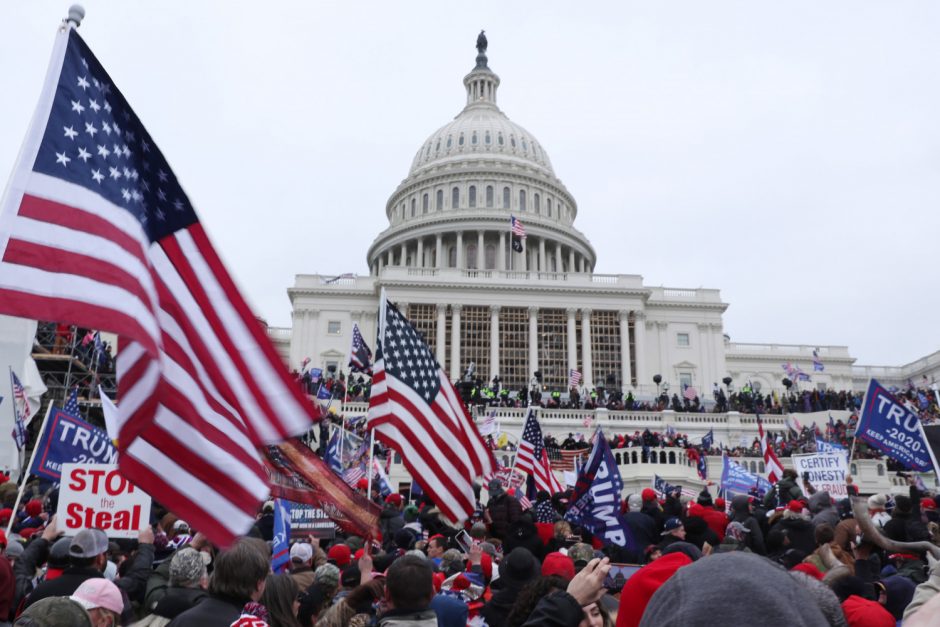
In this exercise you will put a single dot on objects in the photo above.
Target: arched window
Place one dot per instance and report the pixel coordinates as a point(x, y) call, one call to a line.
point(486, 138)
point(672, 457)
point(760, 466)
point(455, 198)
point(525, 145)
point(505, 198)
point(521, 200)
point(633, 457)
point(662, 457)
point(440, 199)
point(489, 195)
point(473, 138)
point(490, 257)
point(460, 140)
point(536, 203)
point(438, 147)
point(548, 206)
point(499, 139)
point(424, 203)
point(450, 141)
point(472, 196)
point(414, 206)
point(512, 141)
point(617, 458)
point(452, 257)
point(472, 256)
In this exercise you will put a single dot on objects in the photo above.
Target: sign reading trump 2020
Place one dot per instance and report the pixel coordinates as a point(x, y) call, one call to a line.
point(68, 439)
point(893, 429)
point(97, 496)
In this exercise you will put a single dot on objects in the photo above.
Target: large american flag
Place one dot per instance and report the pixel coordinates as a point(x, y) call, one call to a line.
point(96, 231)
point(574, 378)
point(771, 461)
point(532, 457)
point(20, 416)
point(415, 410)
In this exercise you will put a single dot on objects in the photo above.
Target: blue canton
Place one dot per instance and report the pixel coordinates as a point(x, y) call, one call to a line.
point(407, 357)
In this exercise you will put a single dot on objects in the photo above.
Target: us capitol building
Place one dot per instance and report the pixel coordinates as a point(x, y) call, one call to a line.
point(446, 260)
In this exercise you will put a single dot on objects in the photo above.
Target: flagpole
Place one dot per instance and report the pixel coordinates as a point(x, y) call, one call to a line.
point(24, 473)
point(933, 459)
point(371, 459)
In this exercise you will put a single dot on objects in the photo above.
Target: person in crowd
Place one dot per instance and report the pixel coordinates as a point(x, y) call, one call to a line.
point(697, 531)
point(7, 583)
point(530, 595)
point(391, 520)
point(652, 508)
point(575, 605)
point(715, 518)
point(54, 612)
point(516, 570)
point(784, 491)
point(102, 600)
point(796, 527)
point(409, 589)
point(301, 564)
point(741, 512)
point(238, 577)
point(502, 510)
point(822, 509)
point(354, 610)
point(642, 527)
point(673, 531)
point(281, 601)
point(188, 580)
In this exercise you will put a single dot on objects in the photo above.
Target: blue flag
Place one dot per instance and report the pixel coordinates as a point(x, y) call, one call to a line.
point(332, 457)
point(829, 447)
point(596, 499)
point(735, 479)
point(708, 440)
point(664, 488)
point(71, 403)
point(280, 547)
point(893, 429)
point(68, 439)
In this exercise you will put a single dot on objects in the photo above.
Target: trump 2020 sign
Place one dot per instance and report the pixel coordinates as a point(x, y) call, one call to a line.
point(893, 429)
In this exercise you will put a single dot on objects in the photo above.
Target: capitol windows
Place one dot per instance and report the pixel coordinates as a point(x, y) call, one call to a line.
point(440, 200)
point(452, 257)
point(414, 206)
point(512, 141)
point(685, 380)
point(455, 197)
point(536, 203)
point(499, 139)
point(489, 195)
point(525, 145)
point(424, 203)
point(438, 147)
point(486, 138)
point(460, 140)
point(472, 196)
point(490, 257)
point(450, 141)
point(521, 200)
point(334, 327)
point(471, 256)
point(505, 198)
point(682, 339)
point(548, 206)
point(473, 138)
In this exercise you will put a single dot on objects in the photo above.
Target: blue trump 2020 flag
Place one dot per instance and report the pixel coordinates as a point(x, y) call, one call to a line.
point(280, 547)
point(736, 480)
point(68, 439)
point(828, 447)
point(596, 499)
point(893, 429)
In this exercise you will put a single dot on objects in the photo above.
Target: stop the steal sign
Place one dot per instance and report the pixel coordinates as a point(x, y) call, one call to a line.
point(97, 496)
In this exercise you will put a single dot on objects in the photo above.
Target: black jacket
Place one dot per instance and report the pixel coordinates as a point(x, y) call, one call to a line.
point(178, 600)
point(556, 610)
point(801, 533)
point(212, 611)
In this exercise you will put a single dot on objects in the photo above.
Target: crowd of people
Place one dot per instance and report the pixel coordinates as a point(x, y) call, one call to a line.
point(795, 557)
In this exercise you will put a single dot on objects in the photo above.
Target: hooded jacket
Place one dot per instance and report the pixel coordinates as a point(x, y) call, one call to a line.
point(824, 512)
point(740, 513)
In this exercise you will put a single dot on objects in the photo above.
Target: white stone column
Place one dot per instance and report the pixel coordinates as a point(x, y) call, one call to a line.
point(441, 333)
point(543, 266)
point(420, 253)
point(404, 254)
point(625, 370)
point(296, 334)
point(501, 253)
point(558, 258)
point(460, 253)
point(705, 365)
point(389, 261)
point(455, 342)
point(311, 333)
point(571, 266)
point(439, 251)
point(643, 377)
point(494, 340)
point(718, 357)
point(586, 362)
point(661, 327)
point(480, 256)
point(523, 256)
point(533, 339)
point(572, 341)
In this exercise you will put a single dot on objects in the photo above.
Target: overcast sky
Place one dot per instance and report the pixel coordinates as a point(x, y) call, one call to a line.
point(787, 154)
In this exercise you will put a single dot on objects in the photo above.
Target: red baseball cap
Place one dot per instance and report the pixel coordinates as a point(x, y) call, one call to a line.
point(648, 494)
point(558, 564)
point(341, 554)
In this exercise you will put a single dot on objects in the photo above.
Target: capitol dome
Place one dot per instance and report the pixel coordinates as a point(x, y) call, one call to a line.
point(466, 181)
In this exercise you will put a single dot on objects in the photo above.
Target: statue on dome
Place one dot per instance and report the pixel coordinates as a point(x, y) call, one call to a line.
point(481, 42)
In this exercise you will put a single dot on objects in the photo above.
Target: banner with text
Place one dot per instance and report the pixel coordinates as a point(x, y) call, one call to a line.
point(893, 429)
point(307, 520)
point(97, 496)
point(68, 439)
point(735, 479)
point(826, 471)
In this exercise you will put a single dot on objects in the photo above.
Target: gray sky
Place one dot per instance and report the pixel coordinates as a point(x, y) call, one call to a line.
point(785, 153)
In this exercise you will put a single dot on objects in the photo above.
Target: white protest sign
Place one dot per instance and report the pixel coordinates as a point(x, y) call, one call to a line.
point(97, 496)
point(826, 472)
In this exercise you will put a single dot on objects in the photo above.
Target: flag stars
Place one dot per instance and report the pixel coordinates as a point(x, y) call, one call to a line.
point(94, 106)
point(60, 157)
point(163, 176)
point(106, 127)
point(160, 215)
point(84, 155)
point(90, 129)
point(77, 107)
point(144, 145)
point(107, 106)
point(98, 176)
point(70, 132)
point(103, 151)
point(83, 82)
point(114, 173)
point(161, 195)
point(85, 63)
point(126, 194)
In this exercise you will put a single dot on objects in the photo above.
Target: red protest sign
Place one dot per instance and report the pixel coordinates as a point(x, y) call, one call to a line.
point(97, 496)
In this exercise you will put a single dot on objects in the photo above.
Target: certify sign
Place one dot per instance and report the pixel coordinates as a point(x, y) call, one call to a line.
point(826, 471)
point(97, 496)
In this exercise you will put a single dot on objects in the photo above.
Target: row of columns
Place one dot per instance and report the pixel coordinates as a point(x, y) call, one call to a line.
point(539, 254)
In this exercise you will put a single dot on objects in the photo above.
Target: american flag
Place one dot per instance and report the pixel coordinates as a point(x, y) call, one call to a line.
point(353, 474)
point(360, 356)
point(532, 457)
point(771, 462)
point(415, 410)
point(570, 460)
point(71, 403)
point(516, 227)
point(97, 231)
point(817, 363)
point(574, 378)
point(20, 411)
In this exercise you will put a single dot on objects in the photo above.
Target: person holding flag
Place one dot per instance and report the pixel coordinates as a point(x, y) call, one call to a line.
point(280, 546)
